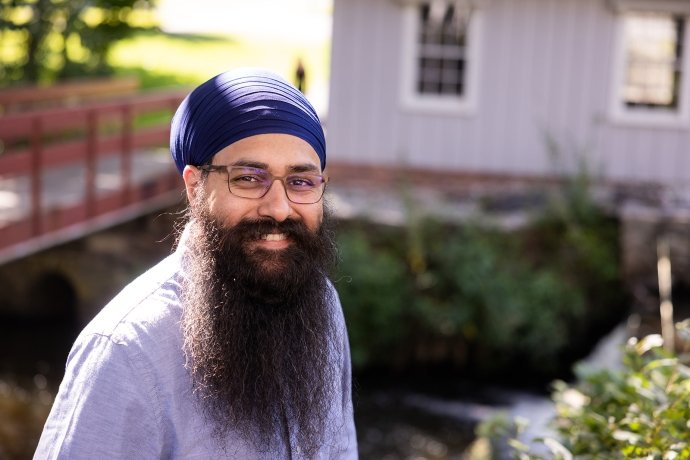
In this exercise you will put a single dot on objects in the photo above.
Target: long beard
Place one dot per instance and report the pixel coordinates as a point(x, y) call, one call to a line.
point(258, 331)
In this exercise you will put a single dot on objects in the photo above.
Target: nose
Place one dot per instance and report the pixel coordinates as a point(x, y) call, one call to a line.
point(275, 203)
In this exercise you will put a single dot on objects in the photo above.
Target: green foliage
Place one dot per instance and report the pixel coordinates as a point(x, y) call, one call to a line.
point(56, 39)
point(474, 295)
point(578, 230)
point(478, 284)
point(640, 411)
point(581, 242)
point(375, 297)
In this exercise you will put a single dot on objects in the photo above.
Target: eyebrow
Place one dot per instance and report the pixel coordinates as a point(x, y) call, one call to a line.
point(249, 164)
point(297, 168)
point(304, 167)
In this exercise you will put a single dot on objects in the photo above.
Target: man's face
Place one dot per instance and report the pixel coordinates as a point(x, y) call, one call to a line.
point(279, 154)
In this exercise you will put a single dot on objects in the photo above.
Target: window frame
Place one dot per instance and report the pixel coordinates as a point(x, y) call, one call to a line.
point(620, 112)
point(410, 98)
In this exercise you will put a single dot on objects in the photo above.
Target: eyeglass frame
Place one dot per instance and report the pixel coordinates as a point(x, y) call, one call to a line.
point(209, 168)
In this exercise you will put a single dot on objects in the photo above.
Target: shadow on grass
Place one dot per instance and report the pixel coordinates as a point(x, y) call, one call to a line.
point(158, 80)
point(186, 37)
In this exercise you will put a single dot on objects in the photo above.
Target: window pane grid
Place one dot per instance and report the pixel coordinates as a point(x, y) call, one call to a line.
point(653, 60)
point(442, 50)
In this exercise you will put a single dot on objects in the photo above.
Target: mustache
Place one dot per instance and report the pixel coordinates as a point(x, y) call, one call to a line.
point(256, 228)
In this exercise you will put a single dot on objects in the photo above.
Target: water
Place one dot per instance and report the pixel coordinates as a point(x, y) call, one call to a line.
point(392, 425)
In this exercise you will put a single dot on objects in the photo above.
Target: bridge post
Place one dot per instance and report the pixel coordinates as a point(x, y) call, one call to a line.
point(127, 142)
point(36, 176)
point(91, 163)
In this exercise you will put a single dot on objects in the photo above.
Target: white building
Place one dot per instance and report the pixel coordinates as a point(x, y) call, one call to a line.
point(491, 86)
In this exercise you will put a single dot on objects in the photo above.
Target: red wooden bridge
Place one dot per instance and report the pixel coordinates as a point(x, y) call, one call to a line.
point(66, 172)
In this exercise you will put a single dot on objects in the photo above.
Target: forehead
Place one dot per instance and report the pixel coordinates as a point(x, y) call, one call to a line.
point(276, 152)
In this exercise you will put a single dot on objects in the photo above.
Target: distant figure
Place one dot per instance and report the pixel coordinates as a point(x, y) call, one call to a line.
point(235, 345)
point(300, 76)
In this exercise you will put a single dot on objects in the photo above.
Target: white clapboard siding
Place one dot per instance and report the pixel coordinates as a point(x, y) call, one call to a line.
point(545, 72)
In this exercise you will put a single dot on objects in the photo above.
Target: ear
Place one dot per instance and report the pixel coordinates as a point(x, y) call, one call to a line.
point(192, 181)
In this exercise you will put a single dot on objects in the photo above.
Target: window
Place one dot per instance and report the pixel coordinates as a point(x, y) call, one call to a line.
point(653, 57)
point(440, 55)
point(652, 75)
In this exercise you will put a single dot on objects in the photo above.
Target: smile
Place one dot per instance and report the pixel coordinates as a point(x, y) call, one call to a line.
point(274, 237)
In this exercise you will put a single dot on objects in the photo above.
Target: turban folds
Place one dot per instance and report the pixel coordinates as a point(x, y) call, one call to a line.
point(238, 104)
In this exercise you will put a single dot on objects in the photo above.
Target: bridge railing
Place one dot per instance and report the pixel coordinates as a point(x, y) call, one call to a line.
point(32, 144)
point(70, 93)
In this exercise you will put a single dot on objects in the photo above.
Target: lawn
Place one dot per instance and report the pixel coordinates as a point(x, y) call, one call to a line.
point(225, 36)
point(165, 60)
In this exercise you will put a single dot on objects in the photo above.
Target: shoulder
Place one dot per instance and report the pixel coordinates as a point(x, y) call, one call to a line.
point(333, 300)
point(139, 330)
point(145, 305)
point(121, 358)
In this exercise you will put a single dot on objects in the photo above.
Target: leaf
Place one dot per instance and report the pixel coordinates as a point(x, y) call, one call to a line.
point(660, 363)
point(518, 445)
point(648, 343)
point(558, 450)
point(626, 436)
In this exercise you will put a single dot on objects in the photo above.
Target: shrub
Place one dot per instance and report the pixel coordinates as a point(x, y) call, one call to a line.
point(434, 293)
point(375, 295)
point(640, 411)
point(479, 285)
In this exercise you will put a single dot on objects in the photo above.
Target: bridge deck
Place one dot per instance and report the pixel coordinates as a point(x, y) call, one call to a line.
point(65, 187)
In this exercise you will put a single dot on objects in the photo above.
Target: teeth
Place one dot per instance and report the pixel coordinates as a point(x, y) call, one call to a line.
point(274, 237)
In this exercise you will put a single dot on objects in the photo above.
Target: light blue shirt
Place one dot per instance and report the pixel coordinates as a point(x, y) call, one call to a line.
point(127, 395)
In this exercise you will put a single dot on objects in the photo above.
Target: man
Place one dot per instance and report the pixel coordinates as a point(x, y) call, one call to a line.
point(235, 345)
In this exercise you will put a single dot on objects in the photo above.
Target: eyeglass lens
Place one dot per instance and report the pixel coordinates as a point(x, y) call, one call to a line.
point(303, 188)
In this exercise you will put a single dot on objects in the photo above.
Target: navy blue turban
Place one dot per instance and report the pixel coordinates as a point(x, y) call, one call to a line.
point(239, 104)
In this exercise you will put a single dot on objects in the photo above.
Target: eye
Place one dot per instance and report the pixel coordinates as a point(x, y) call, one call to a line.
point(302, 182)
point(245, 179)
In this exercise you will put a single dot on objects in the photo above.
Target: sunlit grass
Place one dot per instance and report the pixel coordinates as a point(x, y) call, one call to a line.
point(164, 60)
point(174, 60)
point(185, 59)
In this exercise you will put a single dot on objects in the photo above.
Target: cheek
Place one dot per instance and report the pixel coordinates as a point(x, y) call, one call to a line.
point(313, 217)
point(212, 204)
point(229, 210)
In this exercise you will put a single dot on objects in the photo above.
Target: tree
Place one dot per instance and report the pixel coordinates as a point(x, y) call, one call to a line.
point(58, 39)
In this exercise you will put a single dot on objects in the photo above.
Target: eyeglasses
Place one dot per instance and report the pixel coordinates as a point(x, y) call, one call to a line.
point(254, 183)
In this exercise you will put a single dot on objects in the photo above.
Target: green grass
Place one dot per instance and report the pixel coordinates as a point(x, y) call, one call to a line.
point(165, 60)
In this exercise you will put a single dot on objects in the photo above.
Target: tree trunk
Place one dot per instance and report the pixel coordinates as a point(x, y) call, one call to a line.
point(38, 29)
